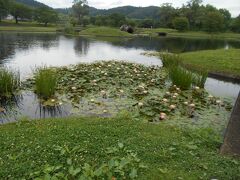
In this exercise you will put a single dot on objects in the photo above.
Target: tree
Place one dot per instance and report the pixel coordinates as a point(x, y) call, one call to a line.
point(46, 15)
point(116, 20)
point(227, 17)
point(4, 8)
point(181, 23)
point(213, 22)
point(235, 25)
point(80, 9)
point(20, 11)
point(166, 14)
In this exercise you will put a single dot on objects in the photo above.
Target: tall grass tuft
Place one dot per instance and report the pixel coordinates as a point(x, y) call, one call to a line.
point(200, 78)
point(9, 82)
point(181, 77)
point(45, 82)
point(170, 60)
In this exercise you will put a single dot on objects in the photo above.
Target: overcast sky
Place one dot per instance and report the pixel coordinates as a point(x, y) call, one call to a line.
point(232, 5)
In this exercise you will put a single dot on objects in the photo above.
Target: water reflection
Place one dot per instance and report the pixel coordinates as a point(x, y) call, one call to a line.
point(81, 46)
point(27, 105)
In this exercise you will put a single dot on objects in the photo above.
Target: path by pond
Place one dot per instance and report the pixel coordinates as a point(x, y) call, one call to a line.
point(25, 52)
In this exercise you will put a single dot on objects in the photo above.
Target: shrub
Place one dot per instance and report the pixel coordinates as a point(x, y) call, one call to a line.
point(181, 23)
point(181, 77)
point(45, 82)
point(68, 29)
point(9, 82)
point(170, 60)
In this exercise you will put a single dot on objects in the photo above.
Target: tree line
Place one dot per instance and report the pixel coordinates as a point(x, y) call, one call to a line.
point(20, 11)
point(191, 16)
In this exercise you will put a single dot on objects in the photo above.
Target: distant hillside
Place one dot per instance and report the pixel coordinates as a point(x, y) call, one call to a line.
point(32, 3)
point(129, 11)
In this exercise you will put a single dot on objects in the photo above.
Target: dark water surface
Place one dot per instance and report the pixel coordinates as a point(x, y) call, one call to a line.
point(25, 52)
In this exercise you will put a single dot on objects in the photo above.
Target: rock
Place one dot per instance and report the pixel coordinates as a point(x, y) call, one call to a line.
point(127, 28)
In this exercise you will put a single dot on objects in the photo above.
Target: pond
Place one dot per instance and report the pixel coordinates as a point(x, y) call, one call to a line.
point(25, 52)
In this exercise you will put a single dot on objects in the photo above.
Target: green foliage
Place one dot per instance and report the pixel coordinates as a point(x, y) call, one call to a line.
point(123, 164)
point(80, 9)
point(45, 82)
point(170, 60)
point(181, 77)
point(213, 22)
point(46, 15)
point(181, 23)
point(167, 13)
point(22, 11)
point(9, 82)
point(4, 8)
point(200, 78)
point(68, 29)
point(235, 25)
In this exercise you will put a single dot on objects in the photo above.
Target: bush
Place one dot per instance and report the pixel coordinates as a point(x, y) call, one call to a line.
point(69, 29)
point(181, 77)
point(170, 60)
point(45, 82)
point(9, 82)
point(181, 23)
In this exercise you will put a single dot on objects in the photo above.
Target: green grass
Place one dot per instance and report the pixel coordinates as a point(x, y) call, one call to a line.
point(45, 82)
point(9, 82)
point(104, 31)
point(189, 34)
point(168, 151)
point(26, 27)
point(217, 61)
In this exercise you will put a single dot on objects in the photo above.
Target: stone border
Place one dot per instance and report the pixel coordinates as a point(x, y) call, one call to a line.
point(231, 144)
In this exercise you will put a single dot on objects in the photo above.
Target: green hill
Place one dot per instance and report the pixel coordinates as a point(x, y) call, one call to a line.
point(129, 11)
point(32, 3)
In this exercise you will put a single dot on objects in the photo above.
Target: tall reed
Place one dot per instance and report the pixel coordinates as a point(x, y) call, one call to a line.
point(170, 60)
point(45, 82)
point(200, 78)
point(181, 77)
point(9, 82)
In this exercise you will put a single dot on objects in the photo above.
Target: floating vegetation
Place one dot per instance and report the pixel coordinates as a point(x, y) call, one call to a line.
point(9, 82)
point(105, 88)
point(45, 82)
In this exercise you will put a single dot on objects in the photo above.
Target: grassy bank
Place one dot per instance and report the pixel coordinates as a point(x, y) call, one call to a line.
point(167, 151)
point(188, 34)
point(26, 27)
point(222, 61)
point(104, 31)
point(217, 61)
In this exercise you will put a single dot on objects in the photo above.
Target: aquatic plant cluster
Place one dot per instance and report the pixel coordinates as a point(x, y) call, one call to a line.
point(9, 82)
point(109, 87)
point(179, 75)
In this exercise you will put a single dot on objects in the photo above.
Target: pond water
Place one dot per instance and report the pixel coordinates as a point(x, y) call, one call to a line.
point(25, 52)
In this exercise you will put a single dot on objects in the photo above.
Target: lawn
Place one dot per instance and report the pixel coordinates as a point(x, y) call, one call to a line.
point(188, 34)
point(217, 61)
point(104, 31)
point(47, 147)
point(26, 27)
